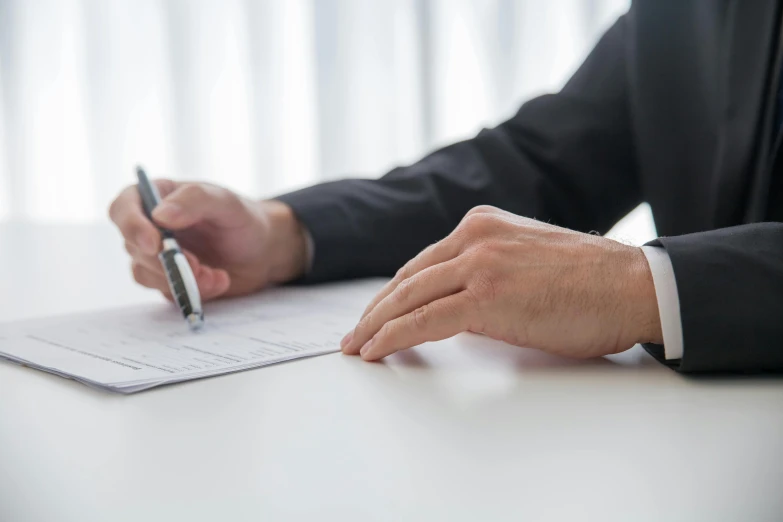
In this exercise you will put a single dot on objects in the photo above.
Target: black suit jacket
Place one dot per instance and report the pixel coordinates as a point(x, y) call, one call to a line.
point(675, 106)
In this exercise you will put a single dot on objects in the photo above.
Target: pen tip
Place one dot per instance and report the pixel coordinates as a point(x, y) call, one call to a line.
point(195, 321)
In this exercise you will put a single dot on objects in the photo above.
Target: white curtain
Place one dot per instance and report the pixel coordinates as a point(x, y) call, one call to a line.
point(260, 95)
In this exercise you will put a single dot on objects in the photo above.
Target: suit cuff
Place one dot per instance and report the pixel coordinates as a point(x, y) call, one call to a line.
point(309, 250)
point(668, 300)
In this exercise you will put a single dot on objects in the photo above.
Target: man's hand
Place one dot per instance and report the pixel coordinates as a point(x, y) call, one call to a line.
point(234, 245)
point(520, 281)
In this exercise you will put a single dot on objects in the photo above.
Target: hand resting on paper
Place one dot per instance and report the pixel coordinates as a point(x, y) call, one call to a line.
point(518, 280)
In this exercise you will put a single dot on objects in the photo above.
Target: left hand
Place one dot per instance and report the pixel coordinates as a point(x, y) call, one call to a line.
point(516, 280)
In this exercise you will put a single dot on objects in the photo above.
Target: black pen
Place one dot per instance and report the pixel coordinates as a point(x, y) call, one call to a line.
point(180, 276)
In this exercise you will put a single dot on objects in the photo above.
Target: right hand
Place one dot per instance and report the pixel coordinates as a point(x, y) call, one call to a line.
point(234, 245)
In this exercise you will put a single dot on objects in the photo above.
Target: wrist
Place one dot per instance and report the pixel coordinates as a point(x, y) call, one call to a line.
point(643, 303)
point(287, 248)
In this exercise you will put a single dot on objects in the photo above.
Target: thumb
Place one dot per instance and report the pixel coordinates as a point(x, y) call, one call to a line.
point(191, 203)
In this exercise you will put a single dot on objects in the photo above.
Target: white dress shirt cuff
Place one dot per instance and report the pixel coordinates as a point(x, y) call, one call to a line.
point(668, 300)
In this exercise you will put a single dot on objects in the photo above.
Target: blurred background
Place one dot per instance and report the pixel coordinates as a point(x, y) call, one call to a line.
point(263, 96)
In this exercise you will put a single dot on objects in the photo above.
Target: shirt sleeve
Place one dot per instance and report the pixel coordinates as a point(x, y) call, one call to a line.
point(668, 300)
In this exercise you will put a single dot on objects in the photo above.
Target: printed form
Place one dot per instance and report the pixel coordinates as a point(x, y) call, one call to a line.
point(133, 349)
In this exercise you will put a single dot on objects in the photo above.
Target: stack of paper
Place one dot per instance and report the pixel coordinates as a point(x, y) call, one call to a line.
point(130, 350)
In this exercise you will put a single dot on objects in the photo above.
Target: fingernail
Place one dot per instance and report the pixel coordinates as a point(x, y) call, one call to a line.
point(366, 348)
point(147, 244)
point(167, 212)
point(347, 339)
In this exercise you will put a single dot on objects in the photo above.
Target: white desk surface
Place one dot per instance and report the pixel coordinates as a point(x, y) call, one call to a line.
point(467, 429)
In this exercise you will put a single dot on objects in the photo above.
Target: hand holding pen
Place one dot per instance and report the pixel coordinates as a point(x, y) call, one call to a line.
point(234, 245)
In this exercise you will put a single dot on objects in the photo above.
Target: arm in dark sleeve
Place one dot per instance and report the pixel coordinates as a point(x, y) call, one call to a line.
point(730, 288)
point(565, 158)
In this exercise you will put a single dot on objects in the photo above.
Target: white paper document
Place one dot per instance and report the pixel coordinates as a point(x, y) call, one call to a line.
point(133, 349)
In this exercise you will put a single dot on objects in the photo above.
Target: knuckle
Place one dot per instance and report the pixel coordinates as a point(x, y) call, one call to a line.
point(138, 272)
point(482, 209)
point(150, 263)
point(194, 191)
point(421, 317)
point(430, 249)
point(472, 220)
point(402, 273)
point(476, 224)
point(384, 333)
point(113, 211)
point(368, 309)
point(403, 291)
point(165, 185)
point(230, 198)
point(483, 219)
point(115, 208)
point(363, 324)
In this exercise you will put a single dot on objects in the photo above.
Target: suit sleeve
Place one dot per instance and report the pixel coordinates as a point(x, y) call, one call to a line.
point(730, 288)
point(566, 158)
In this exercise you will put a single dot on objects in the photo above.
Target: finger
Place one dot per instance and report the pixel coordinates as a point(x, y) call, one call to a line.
point(435, 321)
point(434, 254)
point(193, 261)
point(191, 203)
point(212, 282)
point(165, 186)
point(222, 282)
point(131, 248)
point(127, 213)
point(152, 262)
point(429, 285)
point(151, 279)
